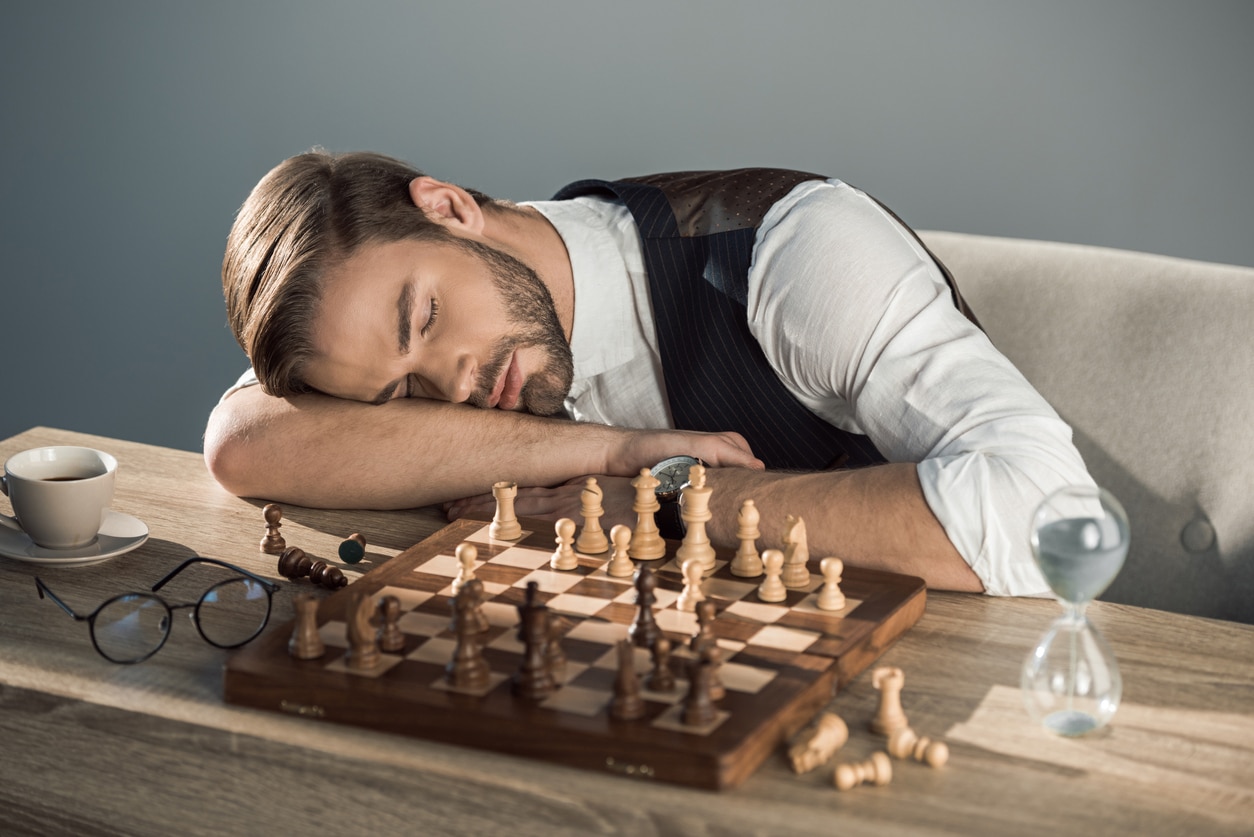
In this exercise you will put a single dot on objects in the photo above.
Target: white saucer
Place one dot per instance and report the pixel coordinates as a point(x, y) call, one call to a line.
point(118, 534)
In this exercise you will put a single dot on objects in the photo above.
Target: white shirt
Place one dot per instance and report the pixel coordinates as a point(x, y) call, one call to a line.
point(859, 324)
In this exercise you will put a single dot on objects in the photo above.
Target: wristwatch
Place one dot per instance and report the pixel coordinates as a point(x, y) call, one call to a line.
point(673, 475)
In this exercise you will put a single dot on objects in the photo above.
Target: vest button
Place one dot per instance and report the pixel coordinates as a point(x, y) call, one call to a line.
point(1198, 535)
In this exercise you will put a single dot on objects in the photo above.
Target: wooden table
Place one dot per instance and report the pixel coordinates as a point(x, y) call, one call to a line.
point(88, 747)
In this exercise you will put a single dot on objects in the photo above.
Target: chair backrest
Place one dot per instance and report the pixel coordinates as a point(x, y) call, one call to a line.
point(1151, 361)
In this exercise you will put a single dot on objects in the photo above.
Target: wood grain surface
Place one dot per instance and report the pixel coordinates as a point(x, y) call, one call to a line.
point(89, 747)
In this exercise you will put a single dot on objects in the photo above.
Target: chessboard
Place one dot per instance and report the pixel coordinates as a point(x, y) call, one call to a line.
point(780, 662)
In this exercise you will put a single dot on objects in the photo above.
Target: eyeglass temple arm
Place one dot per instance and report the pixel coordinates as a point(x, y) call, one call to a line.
point(265, 582)
point(44, 591)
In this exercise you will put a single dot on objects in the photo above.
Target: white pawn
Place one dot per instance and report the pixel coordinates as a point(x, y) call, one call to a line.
point(467, 554)
point(831, 597)
point(747, 563)
point(621, 565)
point(505, 525)
point(564, 557)
point(691, 594)
point(772, 589)
point(592, 540)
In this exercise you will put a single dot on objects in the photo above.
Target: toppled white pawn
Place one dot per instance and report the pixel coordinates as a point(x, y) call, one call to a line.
point(877, 770)
point(905, 743)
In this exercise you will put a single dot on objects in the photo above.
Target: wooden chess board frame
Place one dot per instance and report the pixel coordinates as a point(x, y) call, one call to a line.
point(410, 697)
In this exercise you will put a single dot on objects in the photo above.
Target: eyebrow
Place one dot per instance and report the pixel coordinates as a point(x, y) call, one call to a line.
point(404, 316)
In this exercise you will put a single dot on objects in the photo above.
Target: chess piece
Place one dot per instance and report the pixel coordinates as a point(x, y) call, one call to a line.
point(363, 646)
point(772, 588)
point(533, 681)
point(646, 541)
point(905, 743)
point(627, 704)
point(391, 638)
point(306, 643)
point(554, 656)
point(699, 708)
point(353, 548)
point(661, 679)
point(818, 743)
point(831, 597)
point(294, 563)
point(796, 553)
point(694, 510)
point(643, 629)
point(467, 554)
point(505, 525)
point(621, 565)
point(889, 717)
point(478, 619)
point(592, 540)
point(273, 543)
point(704, 644)
point(691, 594)
point(877, 770)
point(564, 557)
point(468, 669)
point(747, 563)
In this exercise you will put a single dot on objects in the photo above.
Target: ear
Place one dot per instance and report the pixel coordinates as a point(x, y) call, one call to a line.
point(446, 203)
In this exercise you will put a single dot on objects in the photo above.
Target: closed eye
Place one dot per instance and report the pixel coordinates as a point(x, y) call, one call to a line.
point(435, 313)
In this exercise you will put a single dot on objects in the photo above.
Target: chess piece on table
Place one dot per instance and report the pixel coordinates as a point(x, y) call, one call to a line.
point(646, 541)
point(391, 638)
point(467, 554)
point(620, 565)
point(554, 656)
point(772, 588)
point(643, 629)
point(468, 669)
point(818, 743)
point(306, 643)
point(564, 557)
point(363, 645)
point(796, 553)
point(627, 704)
point(691, 594)
point(592, 540)
point(353, 548)
point(705, 645)
point(533, 681)
point(877, 770)
point(905, 743)
point(831, 597)
point(661, 678)
point(505, 525)
point(699, 708)
point(747, 563)
point(478, 619)
point(889, 717)
point(294, 563)
point(273, 543)
point(694, 510)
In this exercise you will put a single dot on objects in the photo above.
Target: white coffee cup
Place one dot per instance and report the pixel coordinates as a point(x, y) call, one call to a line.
point(60, 494)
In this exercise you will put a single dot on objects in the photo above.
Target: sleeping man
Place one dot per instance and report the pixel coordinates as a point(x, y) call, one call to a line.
point(413, 341)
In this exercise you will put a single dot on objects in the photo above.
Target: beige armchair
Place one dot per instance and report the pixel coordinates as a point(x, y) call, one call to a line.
point(1151, 361)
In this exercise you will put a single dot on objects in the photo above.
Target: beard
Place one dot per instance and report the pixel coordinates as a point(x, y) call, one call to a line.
point(534, 323)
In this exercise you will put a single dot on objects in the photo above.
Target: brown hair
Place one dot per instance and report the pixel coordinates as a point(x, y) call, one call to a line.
point(306, 214)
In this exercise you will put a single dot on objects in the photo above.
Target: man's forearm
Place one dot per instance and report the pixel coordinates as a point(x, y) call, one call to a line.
point(871, 517)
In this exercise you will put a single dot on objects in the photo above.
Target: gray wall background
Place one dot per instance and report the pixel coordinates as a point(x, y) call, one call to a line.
point(130, 132)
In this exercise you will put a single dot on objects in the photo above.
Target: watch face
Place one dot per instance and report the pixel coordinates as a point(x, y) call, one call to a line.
point(673, 473)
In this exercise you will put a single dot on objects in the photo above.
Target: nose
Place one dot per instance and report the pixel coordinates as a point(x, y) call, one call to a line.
point(453, 380)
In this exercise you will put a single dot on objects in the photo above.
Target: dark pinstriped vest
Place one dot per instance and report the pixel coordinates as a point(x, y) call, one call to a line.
point(698, 230)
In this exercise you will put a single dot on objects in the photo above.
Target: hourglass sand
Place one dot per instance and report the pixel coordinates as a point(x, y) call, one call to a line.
point(1071, 681)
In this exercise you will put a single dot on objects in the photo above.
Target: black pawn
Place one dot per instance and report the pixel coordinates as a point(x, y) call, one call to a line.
point(644, 630)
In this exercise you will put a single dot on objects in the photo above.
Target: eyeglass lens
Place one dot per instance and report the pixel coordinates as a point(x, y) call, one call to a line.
point(233, 612)
point(131, 627)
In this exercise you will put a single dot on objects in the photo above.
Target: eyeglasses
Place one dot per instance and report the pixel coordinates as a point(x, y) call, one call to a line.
point(132, 627)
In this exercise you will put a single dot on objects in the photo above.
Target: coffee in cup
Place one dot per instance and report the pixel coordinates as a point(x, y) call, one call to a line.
point(60, 494)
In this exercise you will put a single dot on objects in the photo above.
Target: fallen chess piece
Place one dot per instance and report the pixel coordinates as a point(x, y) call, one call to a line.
point(353, 548)
point(877, 770)
point(818, 743)
point(907, 744)
point(294, 563)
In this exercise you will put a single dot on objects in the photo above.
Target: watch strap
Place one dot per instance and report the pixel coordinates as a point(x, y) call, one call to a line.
point(670, 523)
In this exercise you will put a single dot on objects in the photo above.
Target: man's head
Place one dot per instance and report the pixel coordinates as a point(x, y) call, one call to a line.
point(338, 275)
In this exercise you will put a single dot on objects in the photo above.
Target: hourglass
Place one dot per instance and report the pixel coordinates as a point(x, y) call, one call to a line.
point(1070, 681)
